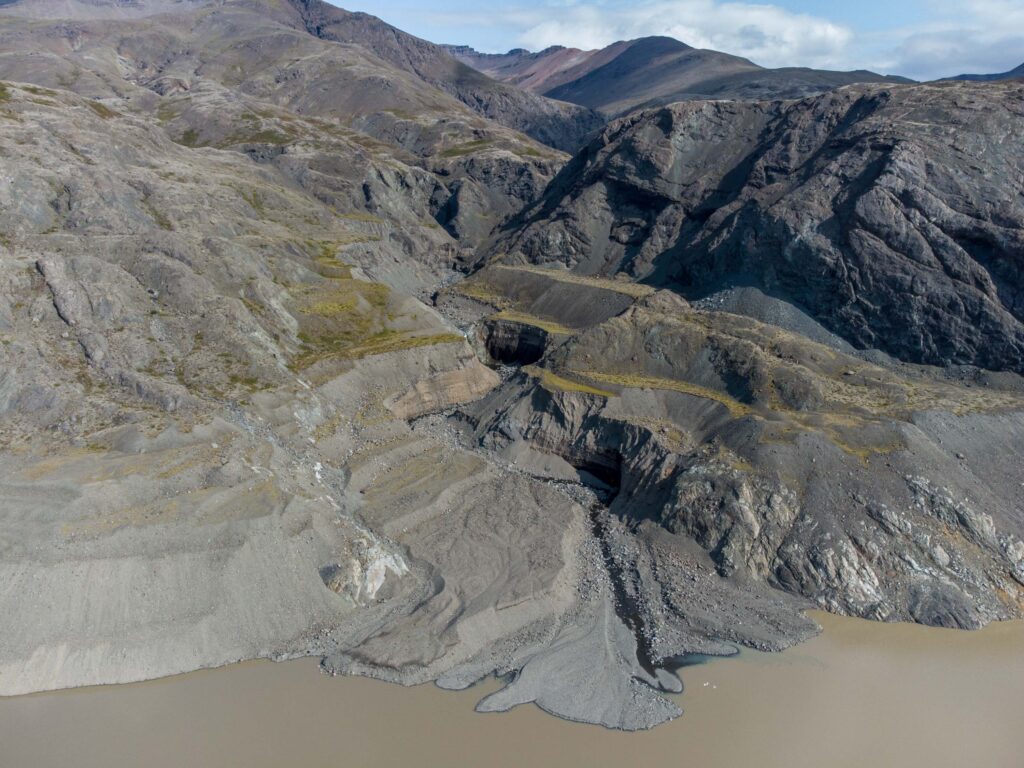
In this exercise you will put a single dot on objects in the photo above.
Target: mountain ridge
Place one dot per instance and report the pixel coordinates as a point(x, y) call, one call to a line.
point(649, 71)
point(562, 126)
point(1010, 75)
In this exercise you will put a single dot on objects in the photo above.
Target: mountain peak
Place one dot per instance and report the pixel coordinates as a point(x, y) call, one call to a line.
point(658, 43)
point(653, 70)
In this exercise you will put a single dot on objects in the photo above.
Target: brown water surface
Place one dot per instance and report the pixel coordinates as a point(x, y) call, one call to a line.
point(862, 694)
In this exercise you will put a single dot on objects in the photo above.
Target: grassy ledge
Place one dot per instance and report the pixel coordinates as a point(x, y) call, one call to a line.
point(555, 383)
point(636, 290)
point(636, 381)
point(537, 322)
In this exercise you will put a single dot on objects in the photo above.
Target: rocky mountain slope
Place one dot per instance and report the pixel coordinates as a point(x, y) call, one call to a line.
point(558, 124)
point(249, 409)
point(649, 71)
point(874, 490)
point(892, 217)
point(251, 77)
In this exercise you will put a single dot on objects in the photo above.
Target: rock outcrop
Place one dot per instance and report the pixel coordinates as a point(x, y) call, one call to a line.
point(860, 487)
point(891, 216)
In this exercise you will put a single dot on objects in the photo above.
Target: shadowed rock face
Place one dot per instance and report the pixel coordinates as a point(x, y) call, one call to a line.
point(633, 74)
point(892, 216)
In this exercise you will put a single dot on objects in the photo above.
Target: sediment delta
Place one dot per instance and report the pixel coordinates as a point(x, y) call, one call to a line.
point(273, 384)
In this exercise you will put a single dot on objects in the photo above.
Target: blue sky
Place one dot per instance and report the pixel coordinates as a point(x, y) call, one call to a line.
point(915, 38)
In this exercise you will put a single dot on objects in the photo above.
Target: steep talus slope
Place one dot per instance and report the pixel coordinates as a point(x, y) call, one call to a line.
point(649, 71)
point(891, 216)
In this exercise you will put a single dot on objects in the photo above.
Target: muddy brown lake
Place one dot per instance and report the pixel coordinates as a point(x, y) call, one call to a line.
point(860, 694)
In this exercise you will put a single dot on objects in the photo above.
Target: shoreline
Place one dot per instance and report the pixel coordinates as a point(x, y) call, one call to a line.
point(855, 664)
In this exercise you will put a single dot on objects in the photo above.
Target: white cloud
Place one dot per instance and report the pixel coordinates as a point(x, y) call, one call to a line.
point(769, 35)
point(972, 36)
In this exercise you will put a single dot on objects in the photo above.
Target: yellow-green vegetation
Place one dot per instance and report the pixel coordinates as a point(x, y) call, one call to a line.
point(833, 385)
point(332, 308)
point(255, 200)
point(157, 215)
point(480, 291)
point(373, 411)
point(262, 136)
point(251, 129)
point(537, 322)
point(190, 138)
point(167, 112)
point(466, 148)
point(554, 383)
point(395, 341)
point(35, 90)
point(102, 110)
point(863, 452)
point(881, 393)
point(68, 80)
point(354, 238)
point(366, 142)
point(346, 319)
point(326, 261)
point(530, 152)
point(5, 93)
point(639, 381)
point(250, 383)
point(623, 286)
point(668, 433)
point(336, 315)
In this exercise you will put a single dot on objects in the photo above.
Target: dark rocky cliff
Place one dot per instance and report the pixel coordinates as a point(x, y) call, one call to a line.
point(892, 216)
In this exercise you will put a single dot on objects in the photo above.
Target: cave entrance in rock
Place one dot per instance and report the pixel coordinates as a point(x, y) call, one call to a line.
point(511, 343)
